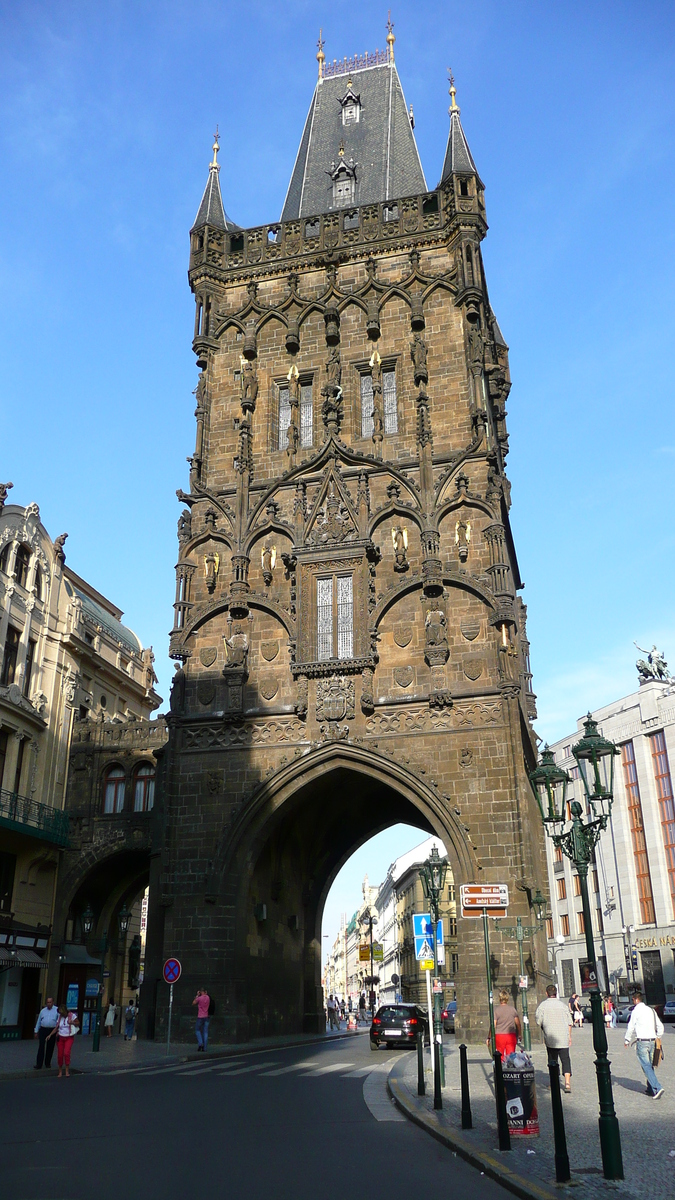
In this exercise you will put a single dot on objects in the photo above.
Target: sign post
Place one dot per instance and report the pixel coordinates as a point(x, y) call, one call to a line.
point(172, 972)
point(486, 900)
point(424, 953)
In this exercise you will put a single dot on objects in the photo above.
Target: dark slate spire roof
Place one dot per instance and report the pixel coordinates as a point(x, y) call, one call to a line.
point(211, 211)
point(458, 157)
point(381, 143)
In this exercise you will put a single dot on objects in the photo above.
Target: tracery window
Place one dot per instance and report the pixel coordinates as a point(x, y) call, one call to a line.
point(335, 617)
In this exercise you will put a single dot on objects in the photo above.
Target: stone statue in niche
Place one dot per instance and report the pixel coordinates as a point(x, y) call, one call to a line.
point(476, 345)
point(301, 696)
point(211, 564)
point(462, 538)
point(269, 560)
point(237, 646)
point(185, 526)
point(249, 385)
point(177, 698)
point(399, 537)
point(436, 637)
point(334, 370)
point(418, 353)
point(331, 410)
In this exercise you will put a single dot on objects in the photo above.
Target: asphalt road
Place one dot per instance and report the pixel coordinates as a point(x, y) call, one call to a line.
point(306, 1122)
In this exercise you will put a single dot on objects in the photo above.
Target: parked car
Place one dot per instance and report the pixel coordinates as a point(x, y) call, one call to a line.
point(398, 1025)
point(448, 1017)
point(669, 1011)
point(624, 1013)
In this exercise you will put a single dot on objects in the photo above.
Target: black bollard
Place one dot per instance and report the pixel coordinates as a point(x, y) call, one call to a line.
point(562, 1162)
point(467, 1119)
point(421, 1087)
point(500, 1101)
point(438, 1099)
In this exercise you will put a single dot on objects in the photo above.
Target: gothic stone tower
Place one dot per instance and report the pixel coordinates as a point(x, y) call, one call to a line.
point(351, 650)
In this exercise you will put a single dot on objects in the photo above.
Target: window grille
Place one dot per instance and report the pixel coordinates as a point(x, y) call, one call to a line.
point(345, 617)
point(306, 415)
point(284, 416)
point(335, 617)
point(366, 406)
point(390, 409)
point(324, 612)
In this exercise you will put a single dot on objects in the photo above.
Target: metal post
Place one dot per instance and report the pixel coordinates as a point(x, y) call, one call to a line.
point(562, 1162)
point(421, 1086)
point(168, 1032)
point(488, 973)
point(372, 972)
point(500, 1101)
point(431, 1021)
point(527, 1041)
point(438, 999)
point(467, 1119)
point(610, 1138)
point(438, 1099)
point(96, 1043)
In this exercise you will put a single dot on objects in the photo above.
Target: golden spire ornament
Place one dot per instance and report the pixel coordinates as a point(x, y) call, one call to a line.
point(390, 37)
point(454, 106)
point(321, 57)
point(215, 148)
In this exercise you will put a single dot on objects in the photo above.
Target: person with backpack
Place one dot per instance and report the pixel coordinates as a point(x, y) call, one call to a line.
point(203, 1002)
point(646, 1030)
point(129, 1020)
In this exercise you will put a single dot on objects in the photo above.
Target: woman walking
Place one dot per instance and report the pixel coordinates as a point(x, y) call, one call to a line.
point(64, 1032)
point(507, 1026)
point(110, 1018)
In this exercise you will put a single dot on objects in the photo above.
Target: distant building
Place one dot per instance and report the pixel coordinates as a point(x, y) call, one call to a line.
point(632, 882)
point(64, 656)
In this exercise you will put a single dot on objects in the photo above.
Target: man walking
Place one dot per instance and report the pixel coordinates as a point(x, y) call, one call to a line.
point(555, 1021)
point(644, 1028)
point(203, 1002)
point(46, 1024)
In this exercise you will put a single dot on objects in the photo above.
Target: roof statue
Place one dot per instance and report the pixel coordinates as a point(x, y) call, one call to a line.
point(368, 115)
point(211, 211)
point(654, 667)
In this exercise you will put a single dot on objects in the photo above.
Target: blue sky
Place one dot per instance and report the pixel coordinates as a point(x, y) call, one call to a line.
point(106, 120)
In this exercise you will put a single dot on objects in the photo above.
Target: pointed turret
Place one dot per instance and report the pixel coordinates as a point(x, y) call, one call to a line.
point(458, 157)
point(211, 211)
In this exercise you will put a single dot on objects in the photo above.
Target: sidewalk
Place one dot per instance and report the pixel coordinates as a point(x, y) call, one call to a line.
point(647, 1126)
point(17, 1058)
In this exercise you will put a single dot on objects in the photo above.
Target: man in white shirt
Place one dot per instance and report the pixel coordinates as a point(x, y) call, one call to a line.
point(45, 1024)
point(644, 1028)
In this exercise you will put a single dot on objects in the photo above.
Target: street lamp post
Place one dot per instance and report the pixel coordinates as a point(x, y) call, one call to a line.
point(627, 931)
point(368, 921)
point(87, 925)
point(577, 839)
point(432, 875)
point(520, 932)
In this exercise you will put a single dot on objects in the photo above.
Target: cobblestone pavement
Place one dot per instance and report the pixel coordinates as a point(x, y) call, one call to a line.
point(17, 1058)
point(647, 1126)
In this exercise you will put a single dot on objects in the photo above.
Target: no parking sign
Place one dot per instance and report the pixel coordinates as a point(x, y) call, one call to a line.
point(172, 970)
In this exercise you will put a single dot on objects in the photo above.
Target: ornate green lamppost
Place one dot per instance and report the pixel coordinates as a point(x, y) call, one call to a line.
point(432, 876)
point(520, 932)
point(577, 838)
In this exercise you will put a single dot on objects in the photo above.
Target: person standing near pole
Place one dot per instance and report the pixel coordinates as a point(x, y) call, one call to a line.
point(555, 1021)
point(203, 1001)
point(645, 1028)
point(45, 1024)
point(64, 1033)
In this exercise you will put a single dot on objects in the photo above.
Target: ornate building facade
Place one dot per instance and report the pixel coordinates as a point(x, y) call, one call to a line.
point(351, 650)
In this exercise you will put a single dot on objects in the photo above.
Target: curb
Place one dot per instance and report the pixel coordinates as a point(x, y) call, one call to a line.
point(173, 1059)
point(485, 1162)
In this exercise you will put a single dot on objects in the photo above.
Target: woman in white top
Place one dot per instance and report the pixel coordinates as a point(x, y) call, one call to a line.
point(64, 1032)
point(110, 1018)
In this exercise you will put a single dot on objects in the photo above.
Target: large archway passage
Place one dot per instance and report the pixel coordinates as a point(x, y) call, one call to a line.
point(291, 843)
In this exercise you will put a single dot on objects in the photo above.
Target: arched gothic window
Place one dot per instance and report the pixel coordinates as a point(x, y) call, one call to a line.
point(113, 794)
point(144, 788)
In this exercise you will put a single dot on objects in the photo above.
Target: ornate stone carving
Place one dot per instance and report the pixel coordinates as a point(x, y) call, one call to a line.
point(474, 667)
point(399, 537)
point(367, 697)
point(185, 526)
point(335, 699)
point(435, 637)
point(462, 538)
point(177, 698)
point(206, 692)
point(208, 655)
point(244, 733)
point(301, 689)
point(470, 630)
point(269, 686)
point(237, 646)
point(403, 676)
point(270, 649)
point(211, 565)
point(4, 488)
point(59, 543)
point(418, 353)
point(403, 634)
point(478, 712)
point(465, 757)
point(249, 386)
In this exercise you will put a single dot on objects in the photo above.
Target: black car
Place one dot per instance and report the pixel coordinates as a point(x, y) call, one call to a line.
point(398, 1025)
point(448, 1016)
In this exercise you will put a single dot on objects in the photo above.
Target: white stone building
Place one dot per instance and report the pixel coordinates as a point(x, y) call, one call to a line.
point(632, 885)
point(64, 654)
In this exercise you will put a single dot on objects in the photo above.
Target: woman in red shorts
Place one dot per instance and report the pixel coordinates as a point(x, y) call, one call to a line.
point(64, 1032)
point(507, 1025)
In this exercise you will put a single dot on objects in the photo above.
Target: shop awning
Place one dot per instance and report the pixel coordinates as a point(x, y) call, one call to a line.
point(21, 958)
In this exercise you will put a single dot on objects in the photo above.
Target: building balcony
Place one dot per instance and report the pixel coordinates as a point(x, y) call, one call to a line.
point(37, 820)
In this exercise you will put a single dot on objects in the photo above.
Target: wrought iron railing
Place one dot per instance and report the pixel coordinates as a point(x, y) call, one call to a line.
point(32, 817)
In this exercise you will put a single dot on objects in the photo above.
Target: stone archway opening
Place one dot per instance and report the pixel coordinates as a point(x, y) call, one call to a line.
point(295, 851)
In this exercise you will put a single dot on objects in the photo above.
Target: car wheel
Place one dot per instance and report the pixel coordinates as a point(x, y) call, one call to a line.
point(374, 1045)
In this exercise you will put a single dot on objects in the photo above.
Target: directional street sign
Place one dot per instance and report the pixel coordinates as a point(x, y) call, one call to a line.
point(424, 945)
point(477, 897)
point(172, 970)
point(378, 952)
point(364, 952)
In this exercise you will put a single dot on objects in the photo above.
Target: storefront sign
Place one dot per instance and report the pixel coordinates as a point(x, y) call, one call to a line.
point(72, 996)
point(653, 943)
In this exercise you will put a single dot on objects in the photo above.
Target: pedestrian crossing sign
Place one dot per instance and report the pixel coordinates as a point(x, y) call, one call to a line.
point(426, 950)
